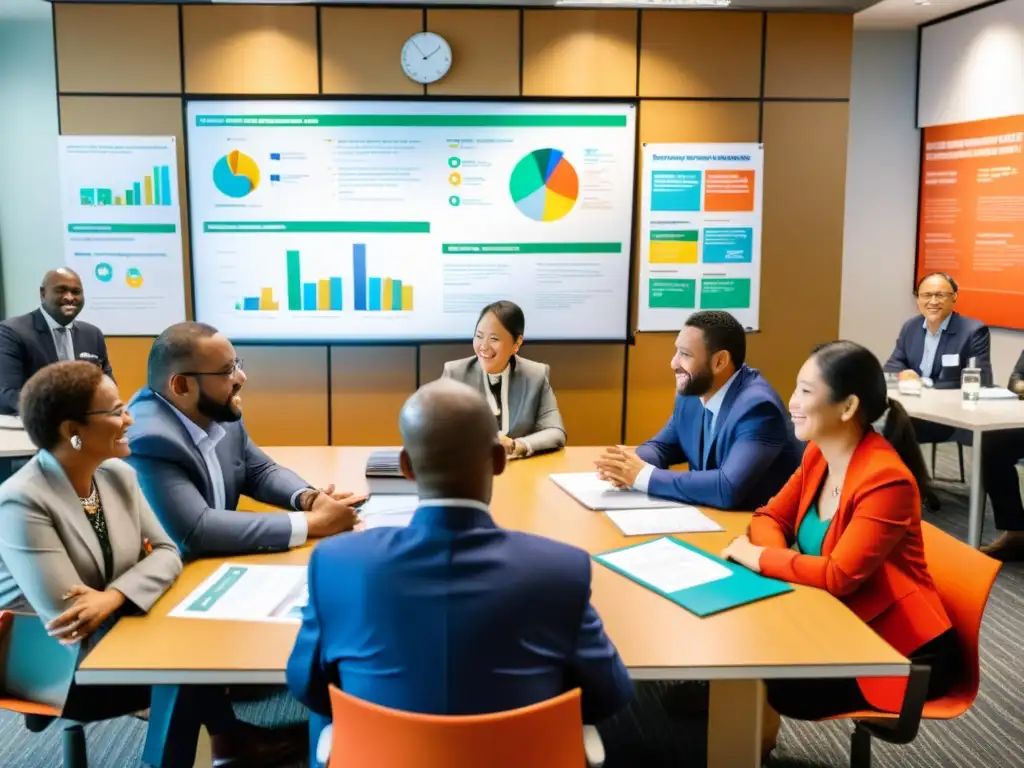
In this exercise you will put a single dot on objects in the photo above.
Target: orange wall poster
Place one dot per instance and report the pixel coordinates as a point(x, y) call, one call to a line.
point(972, 215)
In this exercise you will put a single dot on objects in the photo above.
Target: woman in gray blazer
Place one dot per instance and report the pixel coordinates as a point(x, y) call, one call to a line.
point(80, 547)
point(517, 389)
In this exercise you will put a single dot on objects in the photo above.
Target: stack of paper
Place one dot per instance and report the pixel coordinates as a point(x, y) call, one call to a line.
point(647, 522)
point(393, 511)
point(594, 493)
point(996, 393)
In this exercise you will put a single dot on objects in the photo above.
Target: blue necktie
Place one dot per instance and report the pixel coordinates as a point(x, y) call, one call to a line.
point(707, 436)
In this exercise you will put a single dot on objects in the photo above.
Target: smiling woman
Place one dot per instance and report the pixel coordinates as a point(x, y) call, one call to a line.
point(517, 390)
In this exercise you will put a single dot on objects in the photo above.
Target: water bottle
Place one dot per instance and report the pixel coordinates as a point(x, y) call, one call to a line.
point(970, 384)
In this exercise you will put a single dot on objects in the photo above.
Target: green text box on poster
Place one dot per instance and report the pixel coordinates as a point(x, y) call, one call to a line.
point(725, 293)
point(672, 294)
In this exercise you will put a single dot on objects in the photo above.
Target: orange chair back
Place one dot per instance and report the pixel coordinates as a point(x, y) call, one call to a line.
point(19, 705)
point(964, 578)
point(544, 735)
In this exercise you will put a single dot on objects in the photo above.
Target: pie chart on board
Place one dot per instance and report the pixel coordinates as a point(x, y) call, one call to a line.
point(236, 174)
point(544, 185)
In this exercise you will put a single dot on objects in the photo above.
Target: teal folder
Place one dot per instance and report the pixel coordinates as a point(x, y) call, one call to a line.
point(742, 587)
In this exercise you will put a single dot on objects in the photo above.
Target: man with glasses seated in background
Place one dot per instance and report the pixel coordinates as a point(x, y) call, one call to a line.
point(194, 457)
point(937, 349)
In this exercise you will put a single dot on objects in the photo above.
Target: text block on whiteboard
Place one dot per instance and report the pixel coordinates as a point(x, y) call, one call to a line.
point(700, 233)
point(122, 230)
point(374, 220)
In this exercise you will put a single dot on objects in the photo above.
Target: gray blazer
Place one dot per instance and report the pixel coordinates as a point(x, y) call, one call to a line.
point(174, 478)
point(533, 411)
point(47, 545)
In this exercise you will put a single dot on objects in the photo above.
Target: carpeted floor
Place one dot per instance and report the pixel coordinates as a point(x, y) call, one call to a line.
point(655, 733)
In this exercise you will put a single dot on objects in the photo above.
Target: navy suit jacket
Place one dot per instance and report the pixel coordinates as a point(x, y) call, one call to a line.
point(453, 616)
point(26, 346)
point(752, 454)
point(964, 337)
point(177, 484)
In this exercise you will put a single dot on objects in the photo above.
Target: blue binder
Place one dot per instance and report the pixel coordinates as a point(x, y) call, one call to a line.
point(742, 587)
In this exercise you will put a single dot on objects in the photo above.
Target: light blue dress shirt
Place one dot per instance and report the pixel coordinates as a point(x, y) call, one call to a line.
point(931, 346)
point(61, 337)
point(206, 441)
point(714, 404)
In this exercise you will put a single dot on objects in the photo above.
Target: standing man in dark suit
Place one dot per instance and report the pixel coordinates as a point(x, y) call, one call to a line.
point(452, 615)
point(1000, 454)
point(195, 459)
point(48, 335)
point(728, 424)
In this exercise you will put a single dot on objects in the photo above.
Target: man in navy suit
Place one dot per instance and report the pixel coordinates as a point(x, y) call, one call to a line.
point(728, 424)
point(452, 615)
point(48, 335)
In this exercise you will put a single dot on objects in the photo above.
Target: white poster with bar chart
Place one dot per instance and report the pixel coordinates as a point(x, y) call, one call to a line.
point(398, 221)
point(700, 233)
point(122, 230)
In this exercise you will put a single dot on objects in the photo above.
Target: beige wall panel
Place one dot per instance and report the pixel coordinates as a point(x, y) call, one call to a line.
point(579, 53)
point(700, 54)
point(808, 55)
point(802, 241)
point(285, 395)
point(362, 49)
point(369, 385)
point(434, 356)
point(117, 48)
point(250, 49)
point(128, 358)
point(485, 51)
point(120, 116)
point(651, 386)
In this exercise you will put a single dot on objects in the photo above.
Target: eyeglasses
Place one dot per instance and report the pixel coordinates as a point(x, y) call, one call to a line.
point(118, 412)
point(236, 366)
point(940, 295)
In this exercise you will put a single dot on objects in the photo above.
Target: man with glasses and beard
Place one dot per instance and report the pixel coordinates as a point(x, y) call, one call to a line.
point(728, 425)
point(194, 457)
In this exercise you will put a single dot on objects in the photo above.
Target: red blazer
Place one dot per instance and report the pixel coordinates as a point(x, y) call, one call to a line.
point(872, 557)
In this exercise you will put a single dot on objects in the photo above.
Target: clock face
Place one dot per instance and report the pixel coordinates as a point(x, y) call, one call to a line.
point(426, 57)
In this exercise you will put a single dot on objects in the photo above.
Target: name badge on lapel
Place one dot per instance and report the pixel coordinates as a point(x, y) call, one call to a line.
point(950, 360)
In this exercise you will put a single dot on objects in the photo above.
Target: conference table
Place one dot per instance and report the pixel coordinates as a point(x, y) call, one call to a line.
point(946, 406)
point(803, 634)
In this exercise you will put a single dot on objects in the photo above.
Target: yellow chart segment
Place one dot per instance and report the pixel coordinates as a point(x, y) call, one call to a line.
point(406, 297)
point(556, 206)
point(673, 252)
point(385, 299)
point(243, 165)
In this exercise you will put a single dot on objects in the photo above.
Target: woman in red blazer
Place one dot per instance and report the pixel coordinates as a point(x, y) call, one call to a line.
point(853, 512)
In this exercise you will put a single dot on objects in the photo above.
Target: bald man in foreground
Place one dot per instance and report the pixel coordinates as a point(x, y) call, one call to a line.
point(452, 615)
point(48, 335)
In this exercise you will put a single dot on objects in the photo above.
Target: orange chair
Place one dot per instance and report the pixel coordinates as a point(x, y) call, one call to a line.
point(964, 578)
point(544, 735)
point(39, 716)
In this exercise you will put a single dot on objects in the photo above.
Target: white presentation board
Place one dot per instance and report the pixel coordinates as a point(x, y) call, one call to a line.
point(122, 230)
point(700, 233)
point(368, 220)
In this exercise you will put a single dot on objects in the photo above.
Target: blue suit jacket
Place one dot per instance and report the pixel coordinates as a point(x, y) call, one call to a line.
point(964, 337)
point(752, 455)
point(453, 615)
point(177, 485)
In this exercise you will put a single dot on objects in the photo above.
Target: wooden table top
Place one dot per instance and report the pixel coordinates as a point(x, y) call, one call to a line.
point(806, 633)
point(945, 406)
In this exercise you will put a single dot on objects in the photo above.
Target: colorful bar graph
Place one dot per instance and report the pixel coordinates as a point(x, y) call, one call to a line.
point(375, 294)
point(152, 190)
point(251, 303)
point(336, 294)
point(267, 303)
point(406, 297)
point(309, 296)
point(359, 275)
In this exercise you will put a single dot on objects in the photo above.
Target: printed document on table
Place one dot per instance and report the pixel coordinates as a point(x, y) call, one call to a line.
point(274, 593)
point(645, 522)
point(996, 393)
point(666, 566)
point(388, 511)
point(594, 493)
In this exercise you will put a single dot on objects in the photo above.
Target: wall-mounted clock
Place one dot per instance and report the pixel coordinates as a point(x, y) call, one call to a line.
point(426, 57)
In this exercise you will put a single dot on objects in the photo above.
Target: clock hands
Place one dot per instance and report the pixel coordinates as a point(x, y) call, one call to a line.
point(418, 49)
point(432, 53)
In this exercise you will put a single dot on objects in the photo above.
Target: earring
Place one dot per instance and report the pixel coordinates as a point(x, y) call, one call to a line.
point(76, 443)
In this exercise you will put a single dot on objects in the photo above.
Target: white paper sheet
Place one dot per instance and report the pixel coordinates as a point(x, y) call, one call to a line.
point(274, 593)
point(667, 566)
point(387, 511)
point(645, 522)
point(10, 422)
point(996, 393)
point(594, 493)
